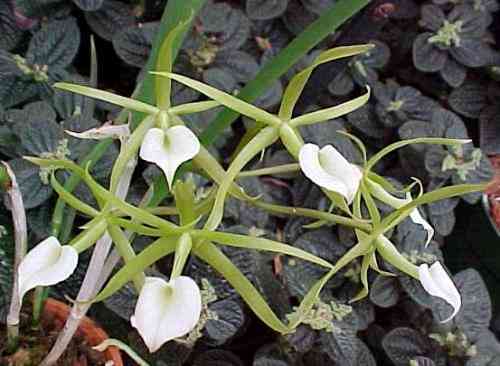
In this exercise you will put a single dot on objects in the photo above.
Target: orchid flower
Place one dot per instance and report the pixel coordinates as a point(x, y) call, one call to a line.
point(46, 264)
point(166, 310)
point(329, 169)
point(381, 194)
point(435, 281)
point(169, 148)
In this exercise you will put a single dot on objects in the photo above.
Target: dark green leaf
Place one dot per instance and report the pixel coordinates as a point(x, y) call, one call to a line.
point(110, 19)
point(134, 44)
point(404, 344)
point(55, 45)
point(34, 192)
point(230, 319)
point(265, 9)
point(89, 5)
point(384, 291)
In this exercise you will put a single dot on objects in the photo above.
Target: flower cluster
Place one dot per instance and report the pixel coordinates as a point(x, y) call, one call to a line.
point(167, 310)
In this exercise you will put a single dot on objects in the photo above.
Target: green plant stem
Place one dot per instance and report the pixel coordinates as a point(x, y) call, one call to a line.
point(281, 63)
point(58, 216)
point(315, 214)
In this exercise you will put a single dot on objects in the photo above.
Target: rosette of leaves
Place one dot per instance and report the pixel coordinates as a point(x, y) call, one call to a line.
point(212, 49)
point(265, 9)
point(474, 100)
point(452, 42)
point(441, 166)
point(110, 18)
point(465, 340)
point(361, 70)
point(484, 6)
point(50, 51)
point(35, 131)
point(133, 45)
point(397, 104)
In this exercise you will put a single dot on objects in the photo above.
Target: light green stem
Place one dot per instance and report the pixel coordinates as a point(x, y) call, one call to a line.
point(263, 139)
point(182, 251)
point(389, 252)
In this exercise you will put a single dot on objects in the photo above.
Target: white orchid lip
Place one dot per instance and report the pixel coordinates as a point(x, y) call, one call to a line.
point(329, 169)
point(436, 281)
point(166, 310)
point(46, 264)
point(169, 149)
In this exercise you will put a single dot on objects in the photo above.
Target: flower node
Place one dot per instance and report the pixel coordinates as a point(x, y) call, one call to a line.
point(448, 34)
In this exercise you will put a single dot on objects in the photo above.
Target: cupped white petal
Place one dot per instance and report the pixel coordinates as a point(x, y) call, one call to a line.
point(169, 149)
point(338, 166)
point(417, 218)
point(46, 264)
point(166, 310)
point(329, 169)
point(435, 281)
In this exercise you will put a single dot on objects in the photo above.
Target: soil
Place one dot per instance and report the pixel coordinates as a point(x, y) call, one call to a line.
point(35, 343)
point(493, 191)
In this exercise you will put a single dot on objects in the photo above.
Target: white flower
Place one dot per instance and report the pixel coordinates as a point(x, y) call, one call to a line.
point(436, 282)
point(329, 169)
point(46, 264)
point(166, 310)
point(169, 149)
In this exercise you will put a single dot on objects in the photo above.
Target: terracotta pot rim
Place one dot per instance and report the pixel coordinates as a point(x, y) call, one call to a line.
point(89, 330)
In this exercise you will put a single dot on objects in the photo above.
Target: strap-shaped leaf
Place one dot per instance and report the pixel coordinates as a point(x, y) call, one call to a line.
point(209, 253)
point(370, 204)
point(249, 242)
point(298, 82)
point(262, 140)
point(365, 265)
point(164, 63)
point(420, 140)
point(157, 250)
point(102, 193)
point(135, 227)
point(333, 112)
point(128, 103)
point(225, 99)
point(71, 200)
point(395, 217)
point(194, 107)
